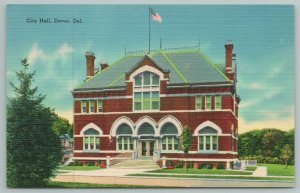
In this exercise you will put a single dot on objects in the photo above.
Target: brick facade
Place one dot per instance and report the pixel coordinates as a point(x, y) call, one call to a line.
point(177, 105)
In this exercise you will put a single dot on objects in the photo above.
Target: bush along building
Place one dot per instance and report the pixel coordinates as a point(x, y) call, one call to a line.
point(137, 107)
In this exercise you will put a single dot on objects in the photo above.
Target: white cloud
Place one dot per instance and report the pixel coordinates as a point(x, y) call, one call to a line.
point(261, 98)
point(283, 124)
point(255, 86)
point(35, 54)
point(63, 51)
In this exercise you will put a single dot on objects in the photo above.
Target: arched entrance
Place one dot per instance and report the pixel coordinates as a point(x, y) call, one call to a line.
point(146, 141)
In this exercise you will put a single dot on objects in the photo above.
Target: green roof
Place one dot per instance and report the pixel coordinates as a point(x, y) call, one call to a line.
point(185, 67)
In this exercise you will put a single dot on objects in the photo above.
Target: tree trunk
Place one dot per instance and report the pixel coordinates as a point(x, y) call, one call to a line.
point(286, 164)
point(185, 165)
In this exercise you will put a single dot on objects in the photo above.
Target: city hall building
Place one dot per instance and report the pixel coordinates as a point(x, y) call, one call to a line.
point(138, 106)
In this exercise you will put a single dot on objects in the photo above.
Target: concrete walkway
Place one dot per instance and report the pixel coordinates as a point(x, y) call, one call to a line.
point(117, 172)
point(159, 182)
point(261, 171)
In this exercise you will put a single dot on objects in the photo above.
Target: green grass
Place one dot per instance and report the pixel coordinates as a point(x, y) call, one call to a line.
point(83, 168)
point(201, 171)
point(251, 168)
point(88, 185)
point(279, 170)
point(214, 177)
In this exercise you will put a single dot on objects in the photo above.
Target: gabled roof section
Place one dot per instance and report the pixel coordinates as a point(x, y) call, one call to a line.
point(184, 67)
point(146, 57)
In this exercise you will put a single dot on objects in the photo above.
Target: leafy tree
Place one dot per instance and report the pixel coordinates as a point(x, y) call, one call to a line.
point(286, 154)
point(62, 126)
point(186, 138)
point(33, 148)
point(265, 145)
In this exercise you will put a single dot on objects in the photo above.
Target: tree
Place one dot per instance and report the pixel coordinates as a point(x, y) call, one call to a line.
point(62, 126)
point(33, 148)
point(186, 138)
point(286, 154)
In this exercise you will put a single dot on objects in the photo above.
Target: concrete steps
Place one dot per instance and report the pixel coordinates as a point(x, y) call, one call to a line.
point(136, 164)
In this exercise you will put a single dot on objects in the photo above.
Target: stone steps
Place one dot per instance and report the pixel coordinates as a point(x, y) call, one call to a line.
point(136, 164)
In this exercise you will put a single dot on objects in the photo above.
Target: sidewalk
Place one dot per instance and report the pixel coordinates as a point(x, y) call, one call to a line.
point(261, 171)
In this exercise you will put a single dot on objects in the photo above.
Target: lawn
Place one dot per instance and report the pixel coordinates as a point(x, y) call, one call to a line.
point(251, 168)
point(214, 177)
point(279, 170)
point(83, 168)
point(201, 171)
point(88, 185)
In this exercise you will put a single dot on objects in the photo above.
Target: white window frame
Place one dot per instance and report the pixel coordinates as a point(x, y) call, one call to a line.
point(98, 106)
point(206, 102)
point(81, 106)
point(210, 142)
point(201, 98)
point(123, 138)
point(90, 106)
point(89, 142)
point(151, 88)
point(166, 138)
point(216, 102)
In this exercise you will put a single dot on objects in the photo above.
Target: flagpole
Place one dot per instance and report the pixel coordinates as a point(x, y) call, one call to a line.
point(149, 31)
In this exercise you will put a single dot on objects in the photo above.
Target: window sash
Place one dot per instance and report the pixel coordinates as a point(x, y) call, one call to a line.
point(83, 106)
point(218, 102)
point(92, 143)
point(199, 102)
point(208, 143)
point(92, 106)
point(208, 102)
point(100, 105)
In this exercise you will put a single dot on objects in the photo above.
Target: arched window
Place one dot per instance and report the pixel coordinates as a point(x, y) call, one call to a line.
point(146, 91)
point(125, 141)
point(208, 139)
point(169, 140)
point(91, 139)
point(146, 129)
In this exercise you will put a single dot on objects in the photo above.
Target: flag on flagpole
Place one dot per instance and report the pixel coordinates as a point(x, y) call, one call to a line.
point(155, 16)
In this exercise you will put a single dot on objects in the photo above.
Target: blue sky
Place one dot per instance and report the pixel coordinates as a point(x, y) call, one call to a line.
point(263, 38)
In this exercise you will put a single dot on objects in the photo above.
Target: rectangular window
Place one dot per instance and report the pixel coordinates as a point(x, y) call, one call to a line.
point(120, 143)
point(201, 142)
point(130, 143)
point(100, 106)
point(92, 145)
point(208, 102)
point(214, 142)
point(175, 144)
point(164, 144)
point(199, 102)
point(97, 142)
point(86, 143)
point(218, 102)
point(170, 144)
point(207, 142)
point(146, 100)
point(83, 106)
point(138, 81)
point(92, 106)
point(155, 80)
point(137, 101)
point(125, 143)
point(146, 78)
point(155, 100)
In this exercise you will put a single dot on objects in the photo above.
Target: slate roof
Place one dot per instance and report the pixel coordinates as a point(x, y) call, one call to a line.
point(185, 67)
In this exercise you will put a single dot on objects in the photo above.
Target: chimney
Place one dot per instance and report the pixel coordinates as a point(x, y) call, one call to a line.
point(90, 64)
point(229, 57)
point(103, 65)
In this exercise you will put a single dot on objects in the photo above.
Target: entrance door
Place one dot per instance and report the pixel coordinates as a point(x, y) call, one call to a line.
point(146, 148)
